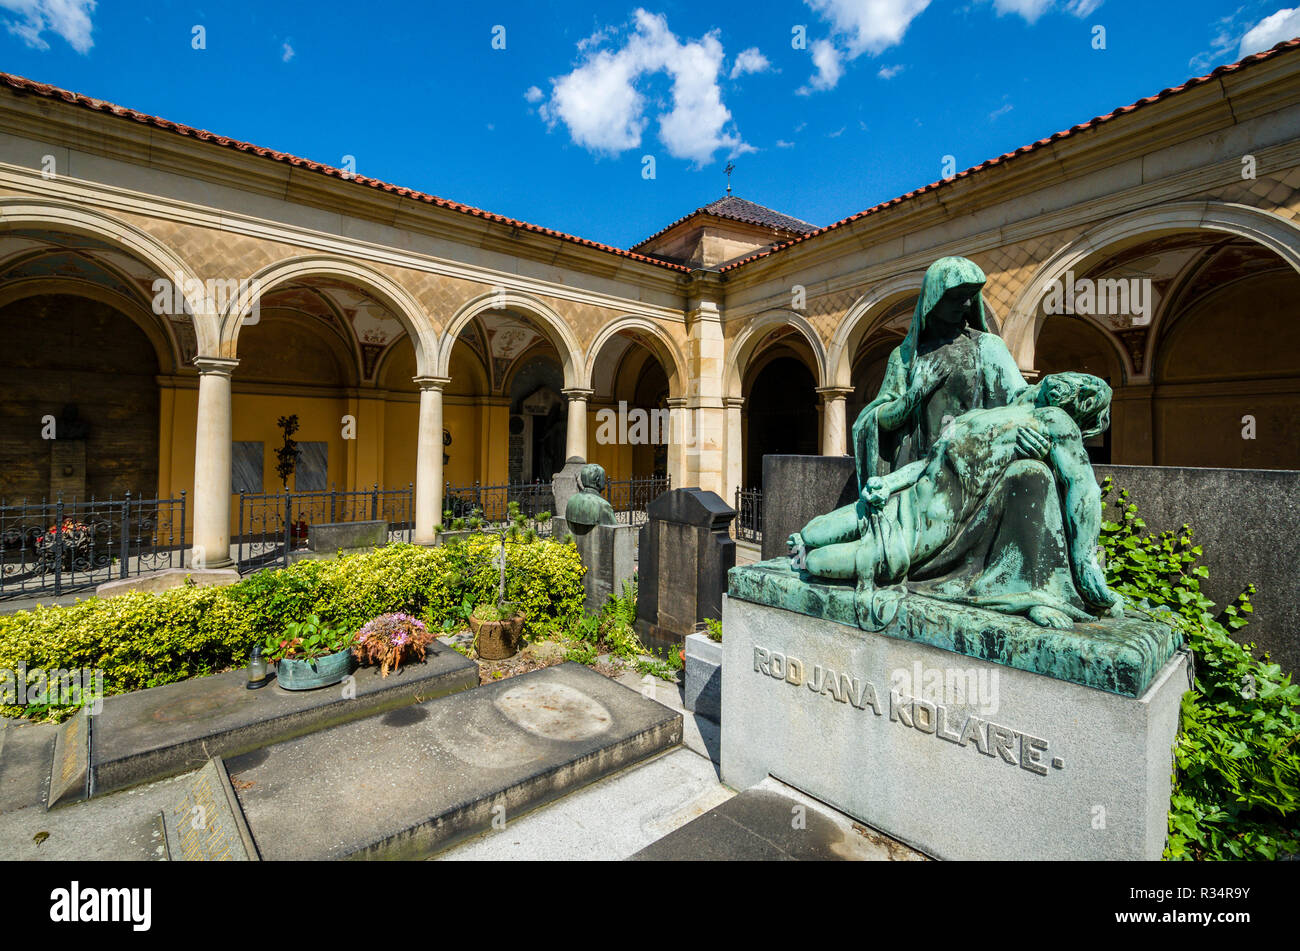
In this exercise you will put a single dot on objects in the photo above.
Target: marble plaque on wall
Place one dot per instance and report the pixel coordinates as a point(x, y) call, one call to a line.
point(246, 467)
point(312, 470)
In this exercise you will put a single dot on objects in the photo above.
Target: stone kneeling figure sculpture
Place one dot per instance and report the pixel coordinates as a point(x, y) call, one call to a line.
point(975, 523)
point(588, 508)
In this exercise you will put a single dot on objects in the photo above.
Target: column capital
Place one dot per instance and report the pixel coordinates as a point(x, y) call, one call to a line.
point(829, 393)
point(431, 382)
point(733, 402)
point(220, 366)
point(676, 402)
point(578, 393)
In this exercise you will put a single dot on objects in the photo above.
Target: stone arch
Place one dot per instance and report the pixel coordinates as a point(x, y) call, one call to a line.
point(743, 347)
point(403, 306)
point(553, 327)
point(160, 334)
point(659, 343)
point(860, 321)
point(54, 214)
point(1273, 232)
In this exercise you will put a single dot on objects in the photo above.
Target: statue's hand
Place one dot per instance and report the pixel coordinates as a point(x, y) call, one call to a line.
point(1092, 584)
point(876, 494)
point(1032, 444)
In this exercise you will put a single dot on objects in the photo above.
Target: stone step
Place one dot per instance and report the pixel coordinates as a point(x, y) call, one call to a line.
point(773, 822)
point(151, 734)
point(411, 782)
point(25, 752)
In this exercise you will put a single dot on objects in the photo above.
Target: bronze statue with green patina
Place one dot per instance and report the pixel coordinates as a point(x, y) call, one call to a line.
point(975, 488)
point(588, 508)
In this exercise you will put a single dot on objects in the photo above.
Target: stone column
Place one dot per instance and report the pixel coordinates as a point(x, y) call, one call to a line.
point(576, 437)
point(212, 451)
point(706, 465)
point(835, 429)
point(428, 459)
point(735, 446)
point(680, 432)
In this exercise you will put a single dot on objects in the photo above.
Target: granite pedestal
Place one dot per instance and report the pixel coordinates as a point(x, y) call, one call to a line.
point(704, 676)
point(962, 755)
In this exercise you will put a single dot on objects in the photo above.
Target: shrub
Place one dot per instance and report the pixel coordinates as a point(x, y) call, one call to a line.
point(1237, 764)
point(145, 640)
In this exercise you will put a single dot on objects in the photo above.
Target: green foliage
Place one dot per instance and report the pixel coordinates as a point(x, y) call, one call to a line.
point(1237, 764)
point(584, 652)
point(145, 640)
point(713, 627)
point(307, 639)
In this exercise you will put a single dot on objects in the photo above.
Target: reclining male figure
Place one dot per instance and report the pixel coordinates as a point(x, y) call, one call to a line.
point(909, 516)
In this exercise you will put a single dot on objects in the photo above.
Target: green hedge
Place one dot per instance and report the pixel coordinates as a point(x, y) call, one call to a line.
point(144, 640)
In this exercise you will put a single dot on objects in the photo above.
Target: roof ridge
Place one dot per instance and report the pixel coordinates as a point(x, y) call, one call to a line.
point(1252, 59)
point(22, 84)
point(706, 209)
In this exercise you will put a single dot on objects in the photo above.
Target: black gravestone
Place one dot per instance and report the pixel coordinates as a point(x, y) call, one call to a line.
point(796, 489)
point(685, 552)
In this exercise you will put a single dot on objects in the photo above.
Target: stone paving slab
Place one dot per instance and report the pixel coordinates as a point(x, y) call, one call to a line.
point(772, 822)
point(609, 820)
point(149, 734)
point(26, 750)
point(416, 780)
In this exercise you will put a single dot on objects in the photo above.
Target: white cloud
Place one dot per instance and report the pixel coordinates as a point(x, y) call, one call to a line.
point(857, 27)
point(603, 110)
point(287, 54)
point(1081, 8)
point(533, 94)
point(1031, 10)
point(869, 26)
point(837, 133)
point(829, 63)
point(749, 61)
point(783, 144)
point(69, 19)
point(999, 113)
point(1268, 32)
point(889, 72)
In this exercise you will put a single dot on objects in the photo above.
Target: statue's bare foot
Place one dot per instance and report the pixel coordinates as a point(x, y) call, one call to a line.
point(1044, 616)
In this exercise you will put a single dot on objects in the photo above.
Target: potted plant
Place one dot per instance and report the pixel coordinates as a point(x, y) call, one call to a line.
point(497, 626)
point(310, 654)
point(391, 640)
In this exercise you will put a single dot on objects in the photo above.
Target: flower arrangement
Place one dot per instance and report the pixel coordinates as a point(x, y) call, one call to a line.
point(75, 534)
point(391, 640)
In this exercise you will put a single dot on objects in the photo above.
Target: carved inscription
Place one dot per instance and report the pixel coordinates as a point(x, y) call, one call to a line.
point(201, 827)
point(994, 740)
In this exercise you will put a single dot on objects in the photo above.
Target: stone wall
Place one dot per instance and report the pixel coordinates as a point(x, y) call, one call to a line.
point(1245, 519)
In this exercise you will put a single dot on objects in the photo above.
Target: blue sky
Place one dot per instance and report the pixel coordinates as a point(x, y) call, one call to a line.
point(554, 127)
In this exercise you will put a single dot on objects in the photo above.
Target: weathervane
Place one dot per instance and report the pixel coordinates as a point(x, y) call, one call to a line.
point(729, 169)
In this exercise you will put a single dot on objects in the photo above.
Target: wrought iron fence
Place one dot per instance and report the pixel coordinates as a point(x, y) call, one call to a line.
point(749, 515)
point(273, 524)
point(629, 498)
point(59, 547)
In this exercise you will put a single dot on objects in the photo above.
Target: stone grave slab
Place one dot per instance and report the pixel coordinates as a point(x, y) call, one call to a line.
point(151, 734)
point(205, 824)
point(411, 782)
point(347, 536)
